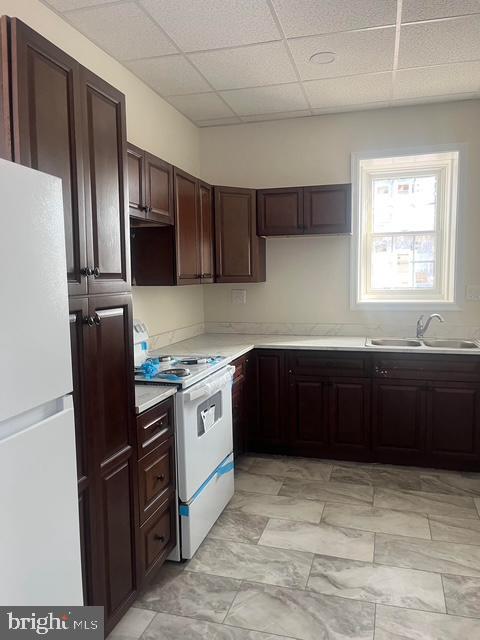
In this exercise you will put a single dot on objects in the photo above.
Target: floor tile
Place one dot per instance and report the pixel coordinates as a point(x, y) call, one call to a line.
point(388, 477)
point(167, 627)
point(319, 538)
point(277, 506)
point(392, 623)
point(239, 526)
point(378, 520)
point(457, 484)
point(328, 491)
point(132, 625)
point(463, 530)
point(424, 502)
point(246, 481)
point(462, 596)
point(252, 562)
point(301, 614)
point(377, 583)
point(298, 469)
point(427, 555)
point(196, 595)
point(244, 462)
point(477, 504)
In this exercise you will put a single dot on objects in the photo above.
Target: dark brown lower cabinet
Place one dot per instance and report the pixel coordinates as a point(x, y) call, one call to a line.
point(308, 416)
point(349, 418)
point(240, 404)
point(268, 378)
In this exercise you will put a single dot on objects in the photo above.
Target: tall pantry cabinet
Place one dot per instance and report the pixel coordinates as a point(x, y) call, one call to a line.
point(60, 118)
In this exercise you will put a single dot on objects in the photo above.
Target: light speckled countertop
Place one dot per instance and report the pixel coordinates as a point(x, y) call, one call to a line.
point(148, 395)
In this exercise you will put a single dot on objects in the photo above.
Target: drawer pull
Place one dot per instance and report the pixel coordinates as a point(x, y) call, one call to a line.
point(159, 538)
point(158, 421)
point(161, 477)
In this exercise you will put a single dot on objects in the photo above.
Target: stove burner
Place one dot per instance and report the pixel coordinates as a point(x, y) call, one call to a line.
point(180, 372)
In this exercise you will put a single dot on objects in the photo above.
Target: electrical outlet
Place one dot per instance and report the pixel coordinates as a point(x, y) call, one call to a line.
point(473, 292)
point(239, 296)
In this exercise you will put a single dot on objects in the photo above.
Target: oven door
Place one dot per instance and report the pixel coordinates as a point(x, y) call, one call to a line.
point(204, 430)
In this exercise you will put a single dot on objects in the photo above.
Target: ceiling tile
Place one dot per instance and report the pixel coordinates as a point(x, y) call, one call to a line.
point(283, 97)
point(202, 106)
point(356, 52)
point(251, 66)
point(170, 75)
point(211, 24)
point(283, 115)
point(309, 17)
point(420, 10)
point(353, 90)
point(134, 35)
point(463, 77)
point(441, 42)
point(218, 122)
point(67, 5)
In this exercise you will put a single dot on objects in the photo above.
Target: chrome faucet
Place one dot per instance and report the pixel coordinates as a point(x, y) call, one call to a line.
point(423, 326)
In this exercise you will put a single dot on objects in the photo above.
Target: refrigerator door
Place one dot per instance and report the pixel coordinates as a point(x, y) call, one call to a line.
point(39, 536)
point(35, 362)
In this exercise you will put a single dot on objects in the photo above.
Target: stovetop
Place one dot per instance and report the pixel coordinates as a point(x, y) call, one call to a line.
point(181, 370)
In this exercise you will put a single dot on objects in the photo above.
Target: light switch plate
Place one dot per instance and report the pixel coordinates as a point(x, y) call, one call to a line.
point(239, 296)
point(473, 292)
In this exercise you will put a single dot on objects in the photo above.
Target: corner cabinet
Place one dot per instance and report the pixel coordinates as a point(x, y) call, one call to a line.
point(240, 252)
point(290, 211)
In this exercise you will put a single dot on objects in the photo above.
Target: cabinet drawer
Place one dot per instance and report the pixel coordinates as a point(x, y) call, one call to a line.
point(325, 363)
point(154, 426)
point(439, 367)
point(240, 365)
point(158, 537)
point(156, 478)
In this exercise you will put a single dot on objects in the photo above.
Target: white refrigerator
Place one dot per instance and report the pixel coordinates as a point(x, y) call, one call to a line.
point(39, 528)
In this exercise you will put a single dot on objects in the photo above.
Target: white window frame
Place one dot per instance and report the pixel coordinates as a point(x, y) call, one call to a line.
point(449, 264)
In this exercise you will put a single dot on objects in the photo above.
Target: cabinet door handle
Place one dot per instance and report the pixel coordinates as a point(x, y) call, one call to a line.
point(89, 321)
point(86, 271)
point(161, 477)
point(97, 320)
point(96, 272)
point(159, 538)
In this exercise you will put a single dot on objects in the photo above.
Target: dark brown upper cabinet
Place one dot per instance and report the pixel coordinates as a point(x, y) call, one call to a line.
point(205, 212)
point(187, 225)
point(280, 211)
point(240, 253)
point(45, 123)
point(150, 188)
point(327, 209)
point(105, 174)
point(6, 151)
point(304, 210)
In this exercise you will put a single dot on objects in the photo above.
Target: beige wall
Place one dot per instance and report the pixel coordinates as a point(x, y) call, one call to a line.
point(151, 123)
point(308, 278)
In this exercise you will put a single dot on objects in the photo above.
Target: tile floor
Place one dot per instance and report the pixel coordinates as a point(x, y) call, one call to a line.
point(314, 550)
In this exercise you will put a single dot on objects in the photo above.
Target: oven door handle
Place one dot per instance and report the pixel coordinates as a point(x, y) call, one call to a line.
point(209, 388)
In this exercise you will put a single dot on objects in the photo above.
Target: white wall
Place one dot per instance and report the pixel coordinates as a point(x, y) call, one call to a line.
point(308, 278)
point(152, 124)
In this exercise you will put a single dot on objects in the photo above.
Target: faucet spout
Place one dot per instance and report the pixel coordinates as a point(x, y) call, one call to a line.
point(423, 326)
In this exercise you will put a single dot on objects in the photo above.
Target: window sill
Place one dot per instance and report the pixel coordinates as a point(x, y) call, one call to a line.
point(403, 305)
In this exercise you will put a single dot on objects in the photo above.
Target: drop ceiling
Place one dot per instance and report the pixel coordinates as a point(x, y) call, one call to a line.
point(231, 61)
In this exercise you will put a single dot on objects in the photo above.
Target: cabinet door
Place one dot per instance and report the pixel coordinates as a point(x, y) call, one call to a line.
point(349, 417)
point(106, 200)
point(6, 151)
point(84, 445)
point(47, 136)
point(453, 419)
point(159, 186)
point(308, 416)
point(187, 228)
point(240, 253)
point(112, 412)
point(268, 432)
point(328, 209)
point(280, 211)
point(205, 210)
point(240, 404)
point(136, 181)
point(399, 421)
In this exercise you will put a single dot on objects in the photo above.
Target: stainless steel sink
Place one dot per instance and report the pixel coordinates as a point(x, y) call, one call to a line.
point(395, 342)
point(439, 343)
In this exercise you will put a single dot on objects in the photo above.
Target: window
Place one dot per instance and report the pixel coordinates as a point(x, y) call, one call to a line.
point(405, 229)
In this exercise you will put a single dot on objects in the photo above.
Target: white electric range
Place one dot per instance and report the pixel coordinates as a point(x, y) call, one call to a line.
point(204, 440)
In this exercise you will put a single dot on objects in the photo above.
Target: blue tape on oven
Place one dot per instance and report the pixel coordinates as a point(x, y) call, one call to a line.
point(221, 470)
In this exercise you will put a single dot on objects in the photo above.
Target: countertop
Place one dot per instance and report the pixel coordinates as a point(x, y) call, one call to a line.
point(232, 346)
point(148, 395)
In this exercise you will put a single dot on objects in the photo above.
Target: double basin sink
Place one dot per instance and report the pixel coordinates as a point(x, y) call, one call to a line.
point(430, 343)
